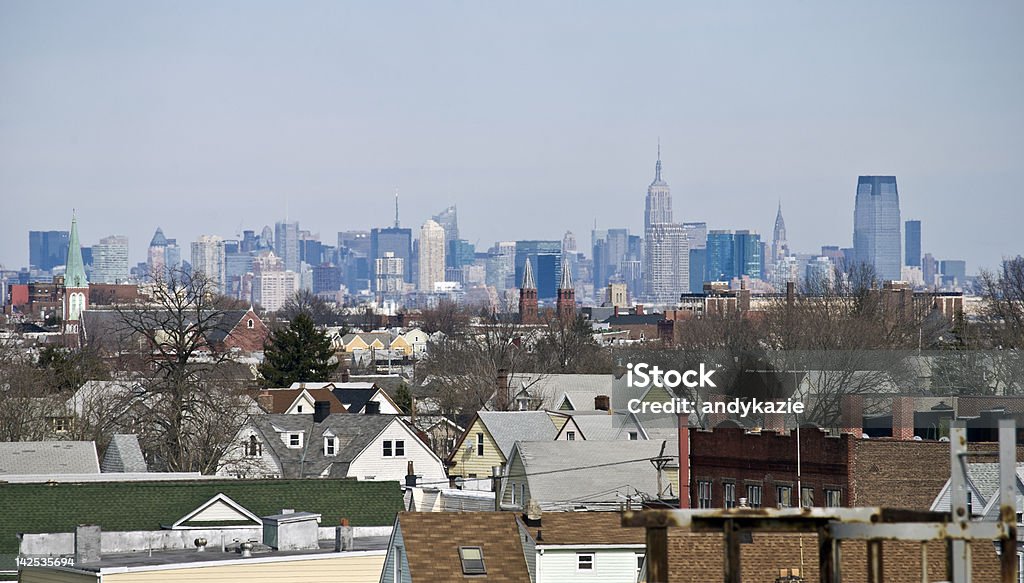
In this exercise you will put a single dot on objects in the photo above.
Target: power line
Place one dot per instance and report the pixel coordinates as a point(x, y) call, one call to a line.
point(560, 470)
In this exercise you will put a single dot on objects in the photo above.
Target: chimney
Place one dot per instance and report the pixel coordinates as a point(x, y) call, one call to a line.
point(410, 476)
point(343, 536)
point(266, 401)
point(501, 387)
point(371, 408)
point(496, 486)
point(601, 403)
point(903, 418)
point(321, 410)
point(533, 513)
point(683, 426)
point(639, 311)
point(790, 293)
point(774, 422)
point(345, 376)
point(713, 419)
point(852, 415)
point(616, 311)
point(87, 543)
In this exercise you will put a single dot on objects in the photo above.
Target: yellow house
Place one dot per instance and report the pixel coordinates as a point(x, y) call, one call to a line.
point(489, 441)
point(214, 566)
point(400, 343)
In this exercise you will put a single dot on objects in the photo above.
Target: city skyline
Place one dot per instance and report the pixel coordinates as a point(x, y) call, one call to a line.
point(149, 122)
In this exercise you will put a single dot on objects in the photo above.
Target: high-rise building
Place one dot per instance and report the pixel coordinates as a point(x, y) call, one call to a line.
point(431, 257)
point(913, 243)
point(820, 274)
point(929, 270)
point(876, 226)
point(110, 260)
point(156, 256)
point(667, 263)
point(390, 272)
point(658, 206)
point(286, 244)
point(747, 254)
point(501, 260)
point(449, 221)
point(396, 240)
point(569, 242)
point(719, 263)
point(208, 259)
point(954, 271)
point(47, 249)
point(780, 247)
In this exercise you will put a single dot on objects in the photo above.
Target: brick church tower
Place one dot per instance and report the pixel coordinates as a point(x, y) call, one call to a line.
point(528, 297)
point(566, 304)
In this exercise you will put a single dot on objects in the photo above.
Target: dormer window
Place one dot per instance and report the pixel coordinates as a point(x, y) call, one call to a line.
point(570, 435)
point(299, 409)
point(294, 440)
point(472, 561)
point(330, 446)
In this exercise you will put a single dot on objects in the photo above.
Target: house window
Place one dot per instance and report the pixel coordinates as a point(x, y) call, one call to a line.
point(515, 494)
point(703, 494)
point(784, 496)
point(61, 424)
point(729, 494)
point(330, 446)
point(970, 504)
point(253, 448)
point(472, 561)
point(754, 495)
point(807, 497)
point(633, 436)
point(584, 561)
point(294, 440)
point(639, 564)
point(250, 324)
point(833, 498)
point(570, 435)
point(394, 448)
point(479, 444)
point(299, 409)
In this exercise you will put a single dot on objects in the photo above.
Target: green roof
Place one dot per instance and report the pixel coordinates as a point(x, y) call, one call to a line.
point(122, 506)
point(74, 272)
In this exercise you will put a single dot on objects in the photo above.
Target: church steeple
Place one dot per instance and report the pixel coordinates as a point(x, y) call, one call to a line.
point(528, 280)
point(528, 309)
point(566, 303)
point(74, 270)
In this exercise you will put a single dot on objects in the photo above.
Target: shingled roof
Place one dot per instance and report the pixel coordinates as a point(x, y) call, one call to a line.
point(508, 427)
point(124, 454)
point(126, 506)
point(48, 457)
point(354, 433)
point(432, 541)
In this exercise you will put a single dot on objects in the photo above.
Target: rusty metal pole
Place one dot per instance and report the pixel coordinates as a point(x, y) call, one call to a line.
point(875, 574)
point(657, 554)
point(1008, 499)
point(733, 565)
point(826, 556)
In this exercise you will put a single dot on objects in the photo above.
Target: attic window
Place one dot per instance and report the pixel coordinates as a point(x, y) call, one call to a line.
point(570, 435)
point(330, 446)
point(472, 561)
point(294, 440)
point(584, 561)
point(250, 324)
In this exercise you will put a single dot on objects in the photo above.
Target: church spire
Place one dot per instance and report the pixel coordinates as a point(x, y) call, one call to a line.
point(74, 270)
point(528, 280)
point(566, 282)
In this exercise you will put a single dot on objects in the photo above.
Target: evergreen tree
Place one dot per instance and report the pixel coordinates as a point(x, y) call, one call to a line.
point(299, 353)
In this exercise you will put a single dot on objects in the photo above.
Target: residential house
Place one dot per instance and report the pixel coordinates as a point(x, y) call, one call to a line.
point(601, 426)
point(583, 546)
point(590, 475)
point(112, 331)
point(299, 399)
point(220, 510)
point(364, 447)
point(557, 392)
point(365, 397)
point(441, 547)
point(489, 440)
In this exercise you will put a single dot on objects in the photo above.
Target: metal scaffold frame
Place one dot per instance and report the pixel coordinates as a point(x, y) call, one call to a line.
point(870, 524)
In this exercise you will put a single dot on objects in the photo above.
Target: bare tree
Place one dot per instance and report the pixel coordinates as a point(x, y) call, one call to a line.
point(193, 400)
point(26, 395)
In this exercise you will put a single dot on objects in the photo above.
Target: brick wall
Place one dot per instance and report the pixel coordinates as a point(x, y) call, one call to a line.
point(897, 474)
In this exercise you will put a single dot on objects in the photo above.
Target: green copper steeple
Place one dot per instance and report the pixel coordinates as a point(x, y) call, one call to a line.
point(74, 272)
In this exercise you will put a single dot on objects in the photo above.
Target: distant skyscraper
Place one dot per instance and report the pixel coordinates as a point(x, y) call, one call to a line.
point(569, 243)
point(208, 259)
point(110, 260)
point(658, 206)
point(667, 263)
point(501, 265)
point(929, 270)
point(780, 248)
point(954, 271)
point(719, 263)
point(286, 244)
point(876, 226)
point(47, 249)
point(390, 271)
point(449, 220)
point(396, 240)
point(913, 243)
point(431, 263)
point(546, 257)
point(156, 256)
point(747, 256)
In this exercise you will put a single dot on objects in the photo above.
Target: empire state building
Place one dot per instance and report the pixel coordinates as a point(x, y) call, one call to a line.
point(666, 250)
point(658, 208)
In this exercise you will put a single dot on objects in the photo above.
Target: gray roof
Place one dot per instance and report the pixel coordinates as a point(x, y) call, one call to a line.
point(562, 475)
point(48, 457)
point(124, 455)
point(551, 388)
point(113, 329)
point(602, 426)
point(508, 427)
point(354, 433)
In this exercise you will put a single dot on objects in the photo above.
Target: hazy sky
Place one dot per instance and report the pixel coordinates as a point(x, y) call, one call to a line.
point(533, 118)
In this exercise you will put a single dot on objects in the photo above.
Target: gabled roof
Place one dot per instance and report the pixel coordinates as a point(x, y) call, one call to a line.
point(432, 541)
point(584, 528)
point(354, 434)
point(112, 329)
point(355, 395)
point(552, 389)
point(124, 455)
point(48, 457)
point(283, 399)
point(508, 427)
point(563, 475)
point(226, 509)
point(602, 426)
